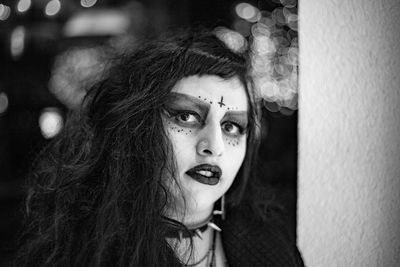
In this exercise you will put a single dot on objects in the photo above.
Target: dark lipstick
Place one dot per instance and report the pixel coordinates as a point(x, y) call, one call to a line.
point(206, 174)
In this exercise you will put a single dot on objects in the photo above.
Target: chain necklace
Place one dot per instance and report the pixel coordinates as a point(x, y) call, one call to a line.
point(211, 252)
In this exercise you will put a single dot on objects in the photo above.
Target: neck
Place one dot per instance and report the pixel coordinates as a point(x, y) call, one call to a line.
point(194, 219)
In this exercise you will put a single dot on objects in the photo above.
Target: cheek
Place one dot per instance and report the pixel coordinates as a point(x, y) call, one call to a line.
point(181, 139)
point(236, 149)
point(174, 129)
point(234, 142)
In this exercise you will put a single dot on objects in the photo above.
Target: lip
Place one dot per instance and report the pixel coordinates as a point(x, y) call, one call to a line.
point(213, 180)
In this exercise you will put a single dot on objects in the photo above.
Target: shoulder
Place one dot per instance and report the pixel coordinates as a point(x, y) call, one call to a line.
point(251, 240)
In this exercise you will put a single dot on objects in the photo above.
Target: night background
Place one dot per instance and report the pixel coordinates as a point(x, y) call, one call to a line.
point(49, 47)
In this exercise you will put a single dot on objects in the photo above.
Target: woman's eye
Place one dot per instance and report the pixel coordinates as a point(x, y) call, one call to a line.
point(186, 117)
point(231, 128)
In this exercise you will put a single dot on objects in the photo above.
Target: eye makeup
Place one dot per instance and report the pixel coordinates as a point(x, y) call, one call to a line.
point(182, 102)
point(183, 117)
point(185, 111)
point(178, 129)
point(238, 118)
point(232, 141)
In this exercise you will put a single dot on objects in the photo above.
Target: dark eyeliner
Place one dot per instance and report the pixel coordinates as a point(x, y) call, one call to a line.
point(173, 113)
point(242, 127)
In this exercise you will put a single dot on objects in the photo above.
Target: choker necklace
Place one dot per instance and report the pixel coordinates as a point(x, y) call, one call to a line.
point(200, 228)
point(196, 230)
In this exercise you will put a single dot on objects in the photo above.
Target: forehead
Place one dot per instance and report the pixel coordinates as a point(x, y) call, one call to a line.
point(211, 88)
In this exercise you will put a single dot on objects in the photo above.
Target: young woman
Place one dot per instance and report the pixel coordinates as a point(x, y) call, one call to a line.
point(157, 168)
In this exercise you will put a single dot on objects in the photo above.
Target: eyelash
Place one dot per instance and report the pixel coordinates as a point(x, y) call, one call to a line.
point(241, 129)
point(176, 113)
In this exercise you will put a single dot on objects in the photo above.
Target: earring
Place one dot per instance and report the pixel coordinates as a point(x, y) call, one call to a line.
point(221, 210)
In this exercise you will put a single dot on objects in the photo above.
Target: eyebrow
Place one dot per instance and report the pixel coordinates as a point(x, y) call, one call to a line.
point(201, 104)
point(239, 115)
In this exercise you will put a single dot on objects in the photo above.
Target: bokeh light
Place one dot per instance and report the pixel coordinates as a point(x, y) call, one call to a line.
point(88, 3)
point(23, 5)
point(74, 71)
point(248, 12)
point(97, 23)
point(266, 21)
point(5, 12)
point(17, 42)
point(274, 57)
point(260, 29)
point(263, 45)
point(232, 39)
point(278, 16)
point(292, 21)
point(50, 122)
point(52, 7)
point(288, 3)
point(3, 102)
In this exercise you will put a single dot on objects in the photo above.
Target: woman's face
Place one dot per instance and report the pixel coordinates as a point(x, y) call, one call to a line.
point(206, 118)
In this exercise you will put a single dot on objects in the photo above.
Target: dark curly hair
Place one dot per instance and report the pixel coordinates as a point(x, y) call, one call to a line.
point(95, 193)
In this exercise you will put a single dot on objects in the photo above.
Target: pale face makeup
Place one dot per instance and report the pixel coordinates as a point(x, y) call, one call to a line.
point(206, 118)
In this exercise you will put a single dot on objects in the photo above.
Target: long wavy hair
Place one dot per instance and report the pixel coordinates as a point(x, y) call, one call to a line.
point(96, 194)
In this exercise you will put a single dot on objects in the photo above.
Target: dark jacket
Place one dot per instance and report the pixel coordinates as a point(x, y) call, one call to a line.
point(251, 241)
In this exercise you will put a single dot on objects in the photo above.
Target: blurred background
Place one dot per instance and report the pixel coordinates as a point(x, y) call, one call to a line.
point(50, 50)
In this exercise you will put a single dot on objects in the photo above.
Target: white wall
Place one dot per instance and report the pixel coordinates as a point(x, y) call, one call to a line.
point(349, 131)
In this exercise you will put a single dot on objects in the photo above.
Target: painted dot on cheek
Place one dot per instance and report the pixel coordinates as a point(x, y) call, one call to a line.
point(232, 142)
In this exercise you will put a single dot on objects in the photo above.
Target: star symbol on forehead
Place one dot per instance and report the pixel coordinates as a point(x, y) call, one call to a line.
point(221, 102)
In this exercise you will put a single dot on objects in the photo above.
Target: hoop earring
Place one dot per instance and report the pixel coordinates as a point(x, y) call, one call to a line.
point(221, 210)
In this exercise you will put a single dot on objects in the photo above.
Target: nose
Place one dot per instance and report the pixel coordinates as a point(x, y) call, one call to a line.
point(211, 142)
